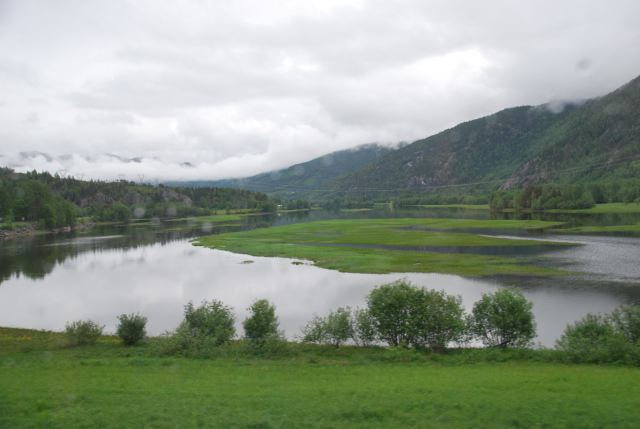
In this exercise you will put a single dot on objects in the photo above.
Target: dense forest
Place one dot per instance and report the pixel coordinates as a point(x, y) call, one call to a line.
point(555, 196)
point(53, 201)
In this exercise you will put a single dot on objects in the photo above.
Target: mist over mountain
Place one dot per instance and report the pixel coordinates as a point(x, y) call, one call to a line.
point(563, 142)
point(304, 179)
point(597, 139)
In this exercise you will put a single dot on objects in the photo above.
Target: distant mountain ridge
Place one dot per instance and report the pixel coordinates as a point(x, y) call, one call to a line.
point(598, 139)
point(589, 141)
point(301, 180)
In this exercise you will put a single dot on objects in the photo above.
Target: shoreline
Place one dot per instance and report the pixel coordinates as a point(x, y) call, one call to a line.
point(31, 230)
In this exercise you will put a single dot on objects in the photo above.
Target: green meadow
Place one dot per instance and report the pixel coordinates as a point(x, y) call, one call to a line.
point(46, 385)
point(394, 245)
point(606, 208)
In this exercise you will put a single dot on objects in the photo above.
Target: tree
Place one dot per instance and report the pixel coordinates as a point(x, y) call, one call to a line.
point(390, 306)
point(503, 319)
point(436, 320)
point(262, 322)
point(416, 317)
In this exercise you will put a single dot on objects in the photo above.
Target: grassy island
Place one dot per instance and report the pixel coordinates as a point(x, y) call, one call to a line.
point(455, 246)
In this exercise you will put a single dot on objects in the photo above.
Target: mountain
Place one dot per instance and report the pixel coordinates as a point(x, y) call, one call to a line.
point(590, 141)
point(307, 178)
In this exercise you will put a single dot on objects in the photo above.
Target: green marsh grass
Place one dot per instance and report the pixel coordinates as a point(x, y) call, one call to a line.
point(376, 245)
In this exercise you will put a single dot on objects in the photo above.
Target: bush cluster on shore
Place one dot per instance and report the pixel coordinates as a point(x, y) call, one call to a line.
point(398, 314)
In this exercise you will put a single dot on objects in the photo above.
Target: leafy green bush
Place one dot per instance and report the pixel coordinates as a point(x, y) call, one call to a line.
point(503, 319)
point(436, 320)
point(212, 321)
point(409, 316)
point(594, 339)
point(202, 332)
point(131, 328)
point(364, 328)
point(390, 306)
point(335, 329)
point(315, 331)
point(82, 332)
point(262, 323)
point(339, 326)
point(626, 320)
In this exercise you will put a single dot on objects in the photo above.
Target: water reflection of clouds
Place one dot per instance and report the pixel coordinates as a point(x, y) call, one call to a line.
point(158, 280)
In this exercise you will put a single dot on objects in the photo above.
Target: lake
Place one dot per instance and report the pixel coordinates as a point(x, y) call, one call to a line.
point(152, 268)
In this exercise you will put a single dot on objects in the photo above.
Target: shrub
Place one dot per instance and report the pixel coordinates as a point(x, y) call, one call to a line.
point(262, 322)
point(82, 332)
point(315, 331)
point(212, 321)
point(626, 320)
point(338, 326)
point(364, 328)
point(131, 328)
point(335, 329)
point(503, 319)
point(594, 339)
point(404, 314)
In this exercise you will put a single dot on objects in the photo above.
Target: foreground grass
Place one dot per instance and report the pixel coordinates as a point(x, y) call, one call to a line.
point(111, 386)
point(393, 245)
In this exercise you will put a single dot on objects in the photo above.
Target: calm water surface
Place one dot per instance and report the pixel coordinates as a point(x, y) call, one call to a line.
point(47, 281)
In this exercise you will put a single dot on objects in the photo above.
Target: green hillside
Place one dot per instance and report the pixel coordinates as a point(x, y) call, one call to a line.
point(594, 142)
point(598, 140)
point(308, 178)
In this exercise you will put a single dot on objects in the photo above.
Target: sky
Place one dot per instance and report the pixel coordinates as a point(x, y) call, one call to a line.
point(149, 90)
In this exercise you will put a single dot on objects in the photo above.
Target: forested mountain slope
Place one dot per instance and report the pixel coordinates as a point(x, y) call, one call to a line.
point(595, 140)
point(302, 180)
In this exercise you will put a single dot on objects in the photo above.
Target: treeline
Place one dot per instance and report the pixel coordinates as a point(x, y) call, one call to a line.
point(397, 314)
point(400, 199)
point(439, 199)
point(53, 201)
point(567, 197)
point(293, 204)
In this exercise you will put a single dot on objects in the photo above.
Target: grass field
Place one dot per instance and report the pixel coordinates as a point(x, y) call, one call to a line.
point(392, 245)
point(110, 386)
point(606, 208)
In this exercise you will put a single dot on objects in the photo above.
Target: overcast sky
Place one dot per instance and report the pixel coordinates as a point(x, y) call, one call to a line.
point(213, 89)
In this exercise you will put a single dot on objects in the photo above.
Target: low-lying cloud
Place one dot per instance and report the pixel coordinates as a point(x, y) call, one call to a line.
point(206, 90)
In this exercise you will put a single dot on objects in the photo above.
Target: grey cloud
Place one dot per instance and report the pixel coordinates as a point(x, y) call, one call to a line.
point(214, 89)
